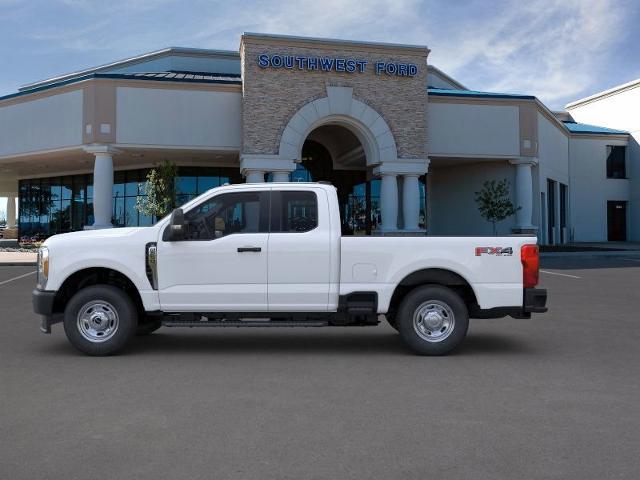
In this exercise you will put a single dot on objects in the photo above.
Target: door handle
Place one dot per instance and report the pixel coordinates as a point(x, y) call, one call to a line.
point(249, 249)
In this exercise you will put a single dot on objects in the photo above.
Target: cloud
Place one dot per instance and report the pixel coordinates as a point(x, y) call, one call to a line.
point(553, 49)
point(558, 50)
point(349, 19)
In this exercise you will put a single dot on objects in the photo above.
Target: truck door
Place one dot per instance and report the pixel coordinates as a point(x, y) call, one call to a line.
point(299, 251)
point(221, 265)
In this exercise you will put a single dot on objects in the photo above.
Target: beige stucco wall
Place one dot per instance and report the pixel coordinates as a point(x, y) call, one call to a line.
point(178, 117)
point(49, 122)
point(619, 110)
point(272, 96)
point(453, 209)
point(473, 129)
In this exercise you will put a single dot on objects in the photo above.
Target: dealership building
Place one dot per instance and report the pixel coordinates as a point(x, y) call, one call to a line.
point(406, 145)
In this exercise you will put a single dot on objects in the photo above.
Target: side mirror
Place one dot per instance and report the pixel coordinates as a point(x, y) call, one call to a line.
point(176, 229)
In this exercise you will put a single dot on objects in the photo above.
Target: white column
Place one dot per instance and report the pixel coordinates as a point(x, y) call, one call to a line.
point(524, 193)
point(102, 185)
point(410, 201)
point(254, 176)
point(11, 212)
point(252, 209)
point(389, 202)
point(280, 176)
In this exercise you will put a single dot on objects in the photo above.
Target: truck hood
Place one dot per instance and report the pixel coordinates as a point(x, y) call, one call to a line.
point(93, 238)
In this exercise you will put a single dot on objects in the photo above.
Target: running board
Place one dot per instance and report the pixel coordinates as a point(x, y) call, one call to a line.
point(244, 323)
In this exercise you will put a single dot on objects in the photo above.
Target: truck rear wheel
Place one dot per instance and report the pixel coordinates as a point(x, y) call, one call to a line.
point(100, 320)
point(391, 320)
point(432, 320)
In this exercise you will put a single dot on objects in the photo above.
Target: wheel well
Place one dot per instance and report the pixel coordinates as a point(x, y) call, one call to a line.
point(433, 276)
point(95, 276)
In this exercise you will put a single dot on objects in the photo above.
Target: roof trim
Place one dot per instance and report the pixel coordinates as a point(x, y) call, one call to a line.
point(605, 93)
point(120, 76)
point(445, 92)
point(541, 107)
point(585, 128)
point(132, 61)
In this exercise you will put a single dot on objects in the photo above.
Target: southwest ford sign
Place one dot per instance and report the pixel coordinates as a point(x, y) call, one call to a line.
point(335, 64)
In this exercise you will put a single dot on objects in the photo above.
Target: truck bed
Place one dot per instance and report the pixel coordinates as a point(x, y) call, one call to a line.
point(491, 265)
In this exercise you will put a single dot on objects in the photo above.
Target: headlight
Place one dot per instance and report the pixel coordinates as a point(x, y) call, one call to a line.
point(43, 267)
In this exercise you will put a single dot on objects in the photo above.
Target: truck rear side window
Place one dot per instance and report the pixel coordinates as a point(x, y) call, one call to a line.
point(293, 211)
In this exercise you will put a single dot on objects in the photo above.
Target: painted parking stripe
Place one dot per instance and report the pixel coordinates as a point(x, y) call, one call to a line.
point(17, 278)
point(561, 274)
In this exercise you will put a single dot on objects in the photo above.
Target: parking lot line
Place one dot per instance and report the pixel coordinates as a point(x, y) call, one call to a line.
point(561, 274)
point(17, 278)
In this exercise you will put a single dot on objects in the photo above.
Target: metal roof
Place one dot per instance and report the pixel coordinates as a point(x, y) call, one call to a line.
point(176, 75)
point(133, 60)
point(575, 127)
point(186, 77)
point(445, 92)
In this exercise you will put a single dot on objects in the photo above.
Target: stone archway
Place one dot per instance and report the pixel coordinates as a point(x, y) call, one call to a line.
point(399, 206)
point(340, 108)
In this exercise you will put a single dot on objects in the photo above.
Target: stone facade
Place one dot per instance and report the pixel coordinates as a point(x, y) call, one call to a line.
point(272, 96)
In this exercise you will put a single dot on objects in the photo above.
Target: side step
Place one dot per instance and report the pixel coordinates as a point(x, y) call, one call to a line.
point(244, 323)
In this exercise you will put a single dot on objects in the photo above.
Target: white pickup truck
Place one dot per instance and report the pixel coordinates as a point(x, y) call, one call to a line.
point(272, 254)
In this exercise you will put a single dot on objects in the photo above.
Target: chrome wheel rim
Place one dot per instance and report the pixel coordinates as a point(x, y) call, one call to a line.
point(97, 321)
point(434, 321)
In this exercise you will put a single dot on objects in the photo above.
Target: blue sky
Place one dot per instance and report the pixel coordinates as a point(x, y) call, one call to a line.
point(559, 50)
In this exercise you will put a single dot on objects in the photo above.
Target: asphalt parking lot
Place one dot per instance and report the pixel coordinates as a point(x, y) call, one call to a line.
point(557, 396)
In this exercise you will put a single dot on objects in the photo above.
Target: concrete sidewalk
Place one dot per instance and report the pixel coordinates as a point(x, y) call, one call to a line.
point(18, 258)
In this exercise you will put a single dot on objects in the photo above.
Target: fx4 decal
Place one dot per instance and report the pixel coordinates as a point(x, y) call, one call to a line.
point(498, 251)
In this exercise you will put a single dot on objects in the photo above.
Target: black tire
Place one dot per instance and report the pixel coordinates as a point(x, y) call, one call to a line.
point(98, 304)
point(443, 311)
point(147, 327)
point(391, 320)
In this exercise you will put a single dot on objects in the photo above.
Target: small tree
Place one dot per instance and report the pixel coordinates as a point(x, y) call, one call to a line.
point(159, 190)
point(494, 203)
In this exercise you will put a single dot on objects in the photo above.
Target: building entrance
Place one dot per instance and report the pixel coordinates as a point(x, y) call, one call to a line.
point(332, 153)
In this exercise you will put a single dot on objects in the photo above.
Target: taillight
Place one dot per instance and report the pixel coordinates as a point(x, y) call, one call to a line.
point(530, 265)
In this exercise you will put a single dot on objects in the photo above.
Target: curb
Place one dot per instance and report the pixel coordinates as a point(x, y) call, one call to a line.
point(18, 264)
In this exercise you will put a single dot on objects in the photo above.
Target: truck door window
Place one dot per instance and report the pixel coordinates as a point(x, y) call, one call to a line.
point(294, 212)
point(226, 214)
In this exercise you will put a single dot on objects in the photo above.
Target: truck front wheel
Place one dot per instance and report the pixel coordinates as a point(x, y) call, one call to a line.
point(432, 320)
point(100, 320)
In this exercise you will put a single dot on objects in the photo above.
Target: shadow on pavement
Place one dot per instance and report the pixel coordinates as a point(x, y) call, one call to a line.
point(168, 342)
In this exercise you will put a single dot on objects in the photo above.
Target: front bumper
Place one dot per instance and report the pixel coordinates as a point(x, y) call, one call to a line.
point(42, 301)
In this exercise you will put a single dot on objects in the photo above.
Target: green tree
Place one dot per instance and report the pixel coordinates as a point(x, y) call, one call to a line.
point(159, 191)
point(494, 202)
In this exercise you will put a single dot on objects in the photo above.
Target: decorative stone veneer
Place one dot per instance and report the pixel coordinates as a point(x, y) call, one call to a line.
point(272, 96)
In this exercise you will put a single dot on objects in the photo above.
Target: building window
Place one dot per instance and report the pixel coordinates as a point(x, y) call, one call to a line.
point(48, 206)
point(564, 202)
point(616, 161)
point(551, 211)
point(360, 210)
